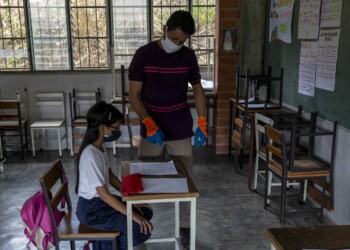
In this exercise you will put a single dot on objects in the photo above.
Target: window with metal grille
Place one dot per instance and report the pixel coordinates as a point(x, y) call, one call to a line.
point(13, 37)
point(130, 29)
point(76, 36)
point(203, 12)
point(48, 23)
point(89, 34)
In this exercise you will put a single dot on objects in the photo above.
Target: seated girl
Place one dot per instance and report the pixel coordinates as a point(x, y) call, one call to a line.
point(97, 207)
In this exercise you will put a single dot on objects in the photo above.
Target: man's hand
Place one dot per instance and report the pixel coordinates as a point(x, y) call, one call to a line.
point(201, 133)
point(154, 134)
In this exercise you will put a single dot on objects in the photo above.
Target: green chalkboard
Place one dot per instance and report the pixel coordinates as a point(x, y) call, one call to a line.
point(329, 105)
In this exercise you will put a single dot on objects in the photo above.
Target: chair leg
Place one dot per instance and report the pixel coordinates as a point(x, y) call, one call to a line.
point(26, 137)
point(72, 245)
point(269, 185)
point(72, 143)
point(59, 142)
point(256, 172)
point(114, 244)
point(283, 200)
point(323, 201)
point(21, 141)
point(305, 191)
point(33, 141)
point(266, 186)
point(114, 148)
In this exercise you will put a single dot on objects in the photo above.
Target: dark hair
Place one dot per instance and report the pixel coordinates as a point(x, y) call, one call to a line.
point(181, 19)
point(100, 113)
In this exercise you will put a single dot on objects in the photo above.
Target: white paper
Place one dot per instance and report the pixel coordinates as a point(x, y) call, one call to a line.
point(331, 13)
point(327, 57)
point(307, 68)
point(281, 13)
point(309, 19)
point(164, 185)
point(153, 168)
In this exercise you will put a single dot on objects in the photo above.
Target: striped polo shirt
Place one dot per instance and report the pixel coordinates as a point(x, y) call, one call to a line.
point(165, 79)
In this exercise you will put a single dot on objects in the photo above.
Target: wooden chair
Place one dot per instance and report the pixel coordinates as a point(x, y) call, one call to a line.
point(260, 146)
point(80, 102)
point(14, 123)
point(282, 163)
point(70, 228)
point(51, 115)
point(133, 123)
point(238, 142)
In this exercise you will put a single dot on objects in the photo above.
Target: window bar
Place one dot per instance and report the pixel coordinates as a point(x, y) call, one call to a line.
point(88, 33)
point(98, 41)
point(41, 43)
point(28, 35)
point(78, 39)
point(3, 39)
point(20, 27)
point(60, 36)
point(12, 39)
point(110, 36)
point(50, 36)
point(190, 9)
point(69, 33)
point(150, 17)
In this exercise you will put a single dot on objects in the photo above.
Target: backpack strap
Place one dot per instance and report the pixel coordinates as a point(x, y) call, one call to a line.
point(37, 221)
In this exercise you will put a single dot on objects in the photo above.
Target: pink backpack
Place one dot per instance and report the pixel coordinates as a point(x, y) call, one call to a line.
point(38, 226)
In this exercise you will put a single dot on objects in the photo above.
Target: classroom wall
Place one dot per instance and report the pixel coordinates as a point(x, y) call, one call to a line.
point(330, 106)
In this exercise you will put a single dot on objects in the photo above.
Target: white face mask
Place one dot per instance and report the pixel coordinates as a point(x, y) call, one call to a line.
point(169, 46)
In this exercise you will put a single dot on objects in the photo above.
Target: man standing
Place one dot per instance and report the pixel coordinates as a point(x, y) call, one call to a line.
point(158, 82)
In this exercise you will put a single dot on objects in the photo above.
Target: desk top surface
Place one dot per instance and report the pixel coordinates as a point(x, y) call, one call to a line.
point(193, 192)
point(322, 237)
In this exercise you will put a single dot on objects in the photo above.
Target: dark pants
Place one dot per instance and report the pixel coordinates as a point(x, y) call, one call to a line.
point(97, 214)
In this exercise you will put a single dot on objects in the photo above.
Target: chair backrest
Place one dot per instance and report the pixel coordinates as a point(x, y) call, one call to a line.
point(133, 123)
point(259, 124)
point(275, 148)
point(81, 101)
point(237, 136)
point(10, 114)
point(54, 181)
point(12, 108)
point(50, 106)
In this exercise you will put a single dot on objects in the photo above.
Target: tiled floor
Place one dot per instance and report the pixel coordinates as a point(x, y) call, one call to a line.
point(229, 216)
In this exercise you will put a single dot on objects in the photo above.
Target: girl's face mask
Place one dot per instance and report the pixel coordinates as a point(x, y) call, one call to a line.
point(112, 136)
point(169, 46)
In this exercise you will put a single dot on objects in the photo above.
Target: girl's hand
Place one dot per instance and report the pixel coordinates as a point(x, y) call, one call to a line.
point(139, 206)
point(145, 225)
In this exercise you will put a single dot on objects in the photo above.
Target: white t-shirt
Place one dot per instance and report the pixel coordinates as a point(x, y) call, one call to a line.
point(93, 172)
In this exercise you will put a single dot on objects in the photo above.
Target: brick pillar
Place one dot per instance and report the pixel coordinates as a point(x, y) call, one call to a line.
point(227, 16)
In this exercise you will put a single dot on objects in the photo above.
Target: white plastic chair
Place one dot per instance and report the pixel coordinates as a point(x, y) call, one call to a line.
point(51, 115)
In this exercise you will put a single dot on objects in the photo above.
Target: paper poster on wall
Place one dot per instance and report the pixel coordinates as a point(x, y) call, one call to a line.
point(309, 19)
point(281, 14)
point(307, 68)
point(327, 55)
point(331, 13)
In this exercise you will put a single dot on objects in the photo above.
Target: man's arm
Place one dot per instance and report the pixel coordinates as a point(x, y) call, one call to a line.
point(199, 99)
point(135, 88)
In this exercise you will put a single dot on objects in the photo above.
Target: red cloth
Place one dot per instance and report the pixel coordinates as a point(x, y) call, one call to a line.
point(131, 184)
